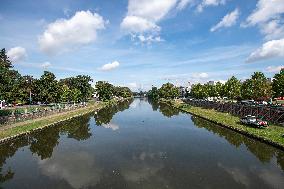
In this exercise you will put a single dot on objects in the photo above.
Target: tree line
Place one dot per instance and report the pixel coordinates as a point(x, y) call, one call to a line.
point(257, 87)
point(106, 91)
point(18, 89)
point(167, 91)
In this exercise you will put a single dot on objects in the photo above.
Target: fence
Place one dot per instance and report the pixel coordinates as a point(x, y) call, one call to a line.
point(271, 114)
point(40, 112)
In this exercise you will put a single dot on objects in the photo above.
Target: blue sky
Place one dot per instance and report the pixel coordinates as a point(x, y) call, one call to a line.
point(139, 43)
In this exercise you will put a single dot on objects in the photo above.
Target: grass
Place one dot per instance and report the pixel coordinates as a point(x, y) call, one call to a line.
point(272, 134)
point(30, 125)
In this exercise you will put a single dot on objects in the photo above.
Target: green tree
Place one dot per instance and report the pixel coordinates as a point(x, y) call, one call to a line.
point(123, 92)
point(104, 90)
point(47, 88)
point(247, 89)
point(278, 84)
point(232, 88)
point(197, 91)
point(153, 93)
point(261, 86)
point(219, 87)
point(168, 91)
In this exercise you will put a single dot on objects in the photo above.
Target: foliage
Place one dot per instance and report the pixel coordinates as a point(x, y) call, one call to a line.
point(168, 91)
point(104, 90)
point(232, 88)
point(107, 91)
point(15, 88)
point(257, 87)
point(123, 92)
point(278, 84)
point(153, 93)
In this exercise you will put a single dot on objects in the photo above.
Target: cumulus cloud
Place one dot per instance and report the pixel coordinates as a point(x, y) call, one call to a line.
point(110, 66)
point(270, 49)
point(64, 34)
point(227, 21)
point(267, 16)
point(137, 24)
point(274, 69)
point(143, 16)
point(17, 54)
point(207, 3)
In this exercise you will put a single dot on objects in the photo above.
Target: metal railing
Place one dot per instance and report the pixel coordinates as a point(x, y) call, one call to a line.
point(269, 113)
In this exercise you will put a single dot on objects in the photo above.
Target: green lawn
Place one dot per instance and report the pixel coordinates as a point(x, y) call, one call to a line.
point(29, 125)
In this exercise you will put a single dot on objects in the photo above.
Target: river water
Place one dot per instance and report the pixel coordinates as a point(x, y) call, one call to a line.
point(141, 145)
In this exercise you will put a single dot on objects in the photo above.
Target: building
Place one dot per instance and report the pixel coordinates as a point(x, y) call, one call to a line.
point(211, 83)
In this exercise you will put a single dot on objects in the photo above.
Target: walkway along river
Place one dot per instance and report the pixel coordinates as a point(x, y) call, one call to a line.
point(139, 145)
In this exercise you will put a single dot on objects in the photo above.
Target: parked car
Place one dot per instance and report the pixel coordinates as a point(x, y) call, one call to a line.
point(253, 121)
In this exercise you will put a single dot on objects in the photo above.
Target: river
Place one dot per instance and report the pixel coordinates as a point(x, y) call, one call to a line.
point(139, 145)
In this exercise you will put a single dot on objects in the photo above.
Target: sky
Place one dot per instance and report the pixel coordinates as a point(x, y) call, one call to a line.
point(140, 43)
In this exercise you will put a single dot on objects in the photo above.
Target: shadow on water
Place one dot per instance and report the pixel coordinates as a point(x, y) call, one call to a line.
point(42, 143)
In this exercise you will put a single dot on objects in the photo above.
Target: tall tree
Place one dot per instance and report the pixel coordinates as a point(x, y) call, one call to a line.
point(168, 91)
point(232, 88)
point(104, 90)
point(278, 84)
point(47, 88)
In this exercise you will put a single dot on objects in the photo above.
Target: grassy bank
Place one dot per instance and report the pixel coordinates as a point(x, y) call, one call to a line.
point(271, 135)
point(18, 129)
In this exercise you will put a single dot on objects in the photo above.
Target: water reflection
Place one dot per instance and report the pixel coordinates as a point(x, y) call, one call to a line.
point(43, 143)
point(263, 152)
point(181, 152)
point(104, 116)
point(165, 109)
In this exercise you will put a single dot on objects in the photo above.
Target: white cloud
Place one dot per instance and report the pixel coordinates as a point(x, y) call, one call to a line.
point(267, 16)
point(207, 3)
point(265, 11)
point(64, 34)
point(200, 75)
point(153, 10)
point(110, 66)
point(274, 69)
point(112, 126)
point(143, 16)
point(227, 21)
point(148, 39)
point(138, 25)
point(273, 29)
point(183, 3)
point(270, 49)
point(17, 54)
point(45, 65)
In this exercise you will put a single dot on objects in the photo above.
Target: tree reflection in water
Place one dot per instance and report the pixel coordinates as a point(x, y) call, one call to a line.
point(105, 115)
point(262, 151)
point(165, 109)
point(43, 143)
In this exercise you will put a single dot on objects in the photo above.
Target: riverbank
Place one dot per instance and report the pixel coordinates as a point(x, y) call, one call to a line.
point(9, 132)
point(271, 135)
